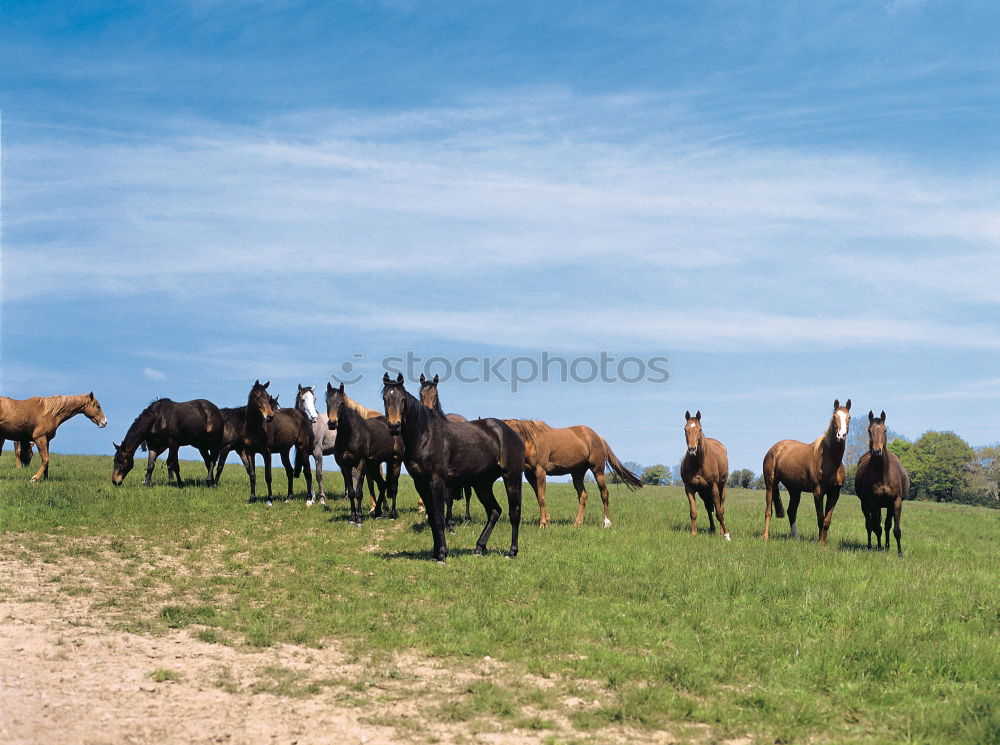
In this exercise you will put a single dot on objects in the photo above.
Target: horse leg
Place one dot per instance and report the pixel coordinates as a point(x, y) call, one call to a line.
point(693, 505)
point(373, 475)
point(582, 496)
point(449, 521)
point(831, 501)
point(539, 486)
point(468, 501)
point(484, 491)
point(392, 484)
point(318, 457)
point(286, 461)
point(173, 463)
point(438, 493)
point(42, 443)
point(897, 510)
point(206, 455)
point(512, 483)
point(772, 497)
point(719, 497)
point(223, 454)
point(150, 465)
point(888, 525)
point(358, 490)
point(267, 475)
point(793, 511)
point(603, 488)
point(706, 497)
point(249, 459)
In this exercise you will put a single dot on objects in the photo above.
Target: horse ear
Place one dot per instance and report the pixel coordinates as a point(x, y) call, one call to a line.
point(436, 379)
point(422, 379)
point(883, 415)
point(117, 446)
point(256, 382)
point(848, 405)
point(299, 385)
point(385, 378)
point(399, 378)
point(266, 385)
point(836, 403)
point(341, 387)
point(871, 415)
point(697, 415)
point(687, 416)
point(91, 395)
point(329, 386)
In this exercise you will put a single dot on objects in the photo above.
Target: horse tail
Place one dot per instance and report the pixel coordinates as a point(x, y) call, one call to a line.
point(630, 480)
point(771, 483)
point(143, 446)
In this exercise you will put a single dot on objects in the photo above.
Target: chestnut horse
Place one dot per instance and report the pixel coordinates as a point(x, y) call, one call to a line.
point(36, 419)
point(881, 481)
point(817, 467)
point(429, 398)
point(166, 425)
point(276, 430)
point(704, 471)
point(556, 451)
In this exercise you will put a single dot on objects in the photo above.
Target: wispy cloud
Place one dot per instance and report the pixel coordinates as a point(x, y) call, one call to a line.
point(153, 373)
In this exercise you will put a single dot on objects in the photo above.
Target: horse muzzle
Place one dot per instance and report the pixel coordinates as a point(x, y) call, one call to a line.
point(269, 418)
point(692, 451)
point(878, 453)
point(394, 429)
point(331, 425)
point(103, 424)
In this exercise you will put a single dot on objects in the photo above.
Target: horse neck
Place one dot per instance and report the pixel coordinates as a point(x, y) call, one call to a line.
point(138, 432)
point(699, 456)
point(417, 421)
point(66, 407)
point(829, 447)
point(348, 422)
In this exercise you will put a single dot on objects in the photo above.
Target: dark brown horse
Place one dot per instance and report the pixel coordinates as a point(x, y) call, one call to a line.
point(429, 398)
point(167, 425)
point(816, 467)
point(557, 451)
point(442, 455)
point(36, 419)
point(271, 430)
point(360, 447)
point(881, 482)
point(704, 471)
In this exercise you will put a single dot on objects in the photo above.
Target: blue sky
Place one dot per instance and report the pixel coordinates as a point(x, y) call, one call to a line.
point(792, 202)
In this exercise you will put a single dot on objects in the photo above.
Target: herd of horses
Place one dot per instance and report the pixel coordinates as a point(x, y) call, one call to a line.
point(449, 456)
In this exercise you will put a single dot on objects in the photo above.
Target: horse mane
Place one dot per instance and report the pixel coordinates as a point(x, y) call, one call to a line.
point(364, 411)
point(529, 429)
point(234, 415)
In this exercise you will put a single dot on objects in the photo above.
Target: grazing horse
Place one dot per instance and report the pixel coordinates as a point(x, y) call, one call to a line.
point(704, 471)
point(166, 425)
point(36, 419)
point(271, 429)
point(881, 481)
point(442, 455)
point(817, 467)
point(429, 398)
point(360, 447)
point(556, 451)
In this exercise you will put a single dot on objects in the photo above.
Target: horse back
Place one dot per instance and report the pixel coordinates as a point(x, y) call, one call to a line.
point(290, 428)
point(481, 444)
point(18, 418)
point(198, 422)
point(793, 463)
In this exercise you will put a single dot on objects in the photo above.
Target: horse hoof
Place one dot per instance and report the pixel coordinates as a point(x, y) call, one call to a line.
point(441, 563)
point(607, 523)
point(728, 537)
point(479, 551)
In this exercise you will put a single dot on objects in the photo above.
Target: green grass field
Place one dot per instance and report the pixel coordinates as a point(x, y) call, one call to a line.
point(786, 642)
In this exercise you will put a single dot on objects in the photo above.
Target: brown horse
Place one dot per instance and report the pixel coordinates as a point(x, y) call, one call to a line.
point(36, 419)
point(557, 451)
point(429, 398)
point(816, 467)
point(704, 471)
point(881, 481)
point(276, 430)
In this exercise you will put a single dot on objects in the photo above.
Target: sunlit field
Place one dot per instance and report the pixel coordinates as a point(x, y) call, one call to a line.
point(785, 642)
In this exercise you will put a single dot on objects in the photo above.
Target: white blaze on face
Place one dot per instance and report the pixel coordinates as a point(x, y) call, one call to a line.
point(841, 424)
point(309, 405)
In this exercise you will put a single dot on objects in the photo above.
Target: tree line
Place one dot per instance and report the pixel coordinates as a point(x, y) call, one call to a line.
point(942, 466)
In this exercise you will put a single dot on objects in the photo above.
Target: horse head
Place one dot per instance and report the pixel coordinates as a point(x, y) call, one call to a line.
point(429, 392)
point(876, 433)
point(841, 419)
point(93, 411)
point(260, 401)
point(123, 464)
point(334, 397)
point(394, 399)
point(692, 431)
point(305, 401)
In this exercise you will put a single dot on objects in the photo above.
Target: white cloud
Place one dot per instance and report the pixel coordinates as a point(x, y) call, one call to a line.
point(153, 373)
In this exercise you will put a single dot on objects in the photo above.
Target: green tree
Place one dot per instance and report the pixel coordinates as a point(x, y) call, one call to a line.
point(940, 466)
point(658, 475)
point(985, 476)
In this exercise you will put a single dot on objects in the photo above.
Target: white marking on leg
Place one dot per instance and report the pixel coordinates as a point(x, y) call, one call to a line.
point(728, 537)
point(607, 523)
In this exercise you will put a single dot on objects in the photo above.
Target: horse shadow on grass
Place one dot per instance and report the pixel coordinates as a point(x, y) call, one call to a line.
point(428, 555)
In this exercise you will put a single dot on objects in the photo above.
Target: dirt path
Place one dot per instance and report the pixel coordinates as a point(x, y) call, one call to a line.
point(68, 676)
